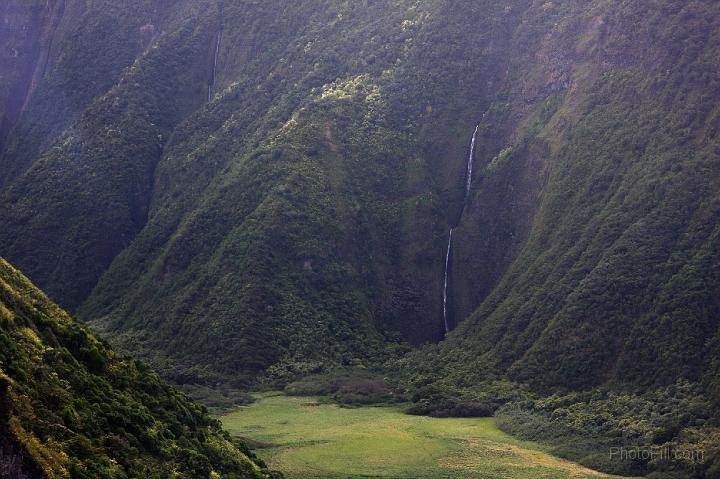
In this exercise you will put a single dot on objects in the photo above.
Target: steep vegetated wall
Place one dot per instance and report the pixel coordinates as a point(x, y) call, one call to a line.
point(26, 33)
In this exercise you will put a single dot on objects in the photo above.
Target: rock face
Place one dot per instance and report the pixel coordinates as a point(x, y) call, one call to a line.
point(27, 29)
point(12, 462)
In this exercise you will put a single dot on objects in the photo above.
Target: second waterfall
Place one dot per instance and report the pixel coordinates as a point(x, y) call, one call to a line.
point(448, 253)
point(213, 76)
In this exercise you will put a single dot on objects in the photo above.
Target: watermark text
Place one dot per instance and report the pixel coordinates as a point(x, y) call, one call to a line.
point(657, 453)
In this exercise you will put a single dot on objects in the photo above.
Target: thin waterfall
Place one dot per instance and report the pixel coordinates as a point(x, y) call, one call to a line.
point(445, 288)
point(471, 161)
point(468, 183)
point(211, 84)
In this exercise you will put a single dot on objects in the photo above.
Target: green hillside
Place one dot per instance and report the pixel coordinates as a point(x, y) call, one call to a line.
point(72, 408)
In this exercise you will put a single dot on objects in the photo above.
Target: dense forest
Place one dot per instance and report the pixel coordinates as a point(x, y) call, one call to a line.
point(245, 193)
point(71, 407)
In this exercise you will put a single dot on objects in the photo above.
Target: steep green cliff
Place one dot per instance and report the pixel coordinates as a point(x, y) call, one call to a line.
point(71, 407)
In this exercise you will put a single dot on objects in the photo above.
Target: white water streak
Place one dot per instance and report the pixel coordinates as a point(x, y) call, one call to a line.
point(471, 161)
point(468, 183)
point(445, 288)
point(211, 85)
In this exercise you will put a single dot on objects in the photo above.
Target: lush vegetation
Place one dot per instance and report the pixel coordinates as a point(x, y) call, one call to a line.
point(672, 426)
point(86, 148)
point(614, 292)
point(306, 439)
point(71, 408)
point(350, 388)
point(282, 233)
point(297, 222)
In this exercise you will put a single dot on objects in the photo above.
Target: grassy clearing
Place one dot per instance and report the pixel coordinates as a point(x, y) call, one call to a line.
point(307, 439)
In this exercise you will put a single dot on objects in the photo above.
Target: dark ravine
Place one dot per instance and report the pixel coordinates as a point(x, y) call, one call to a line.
point(55, 10)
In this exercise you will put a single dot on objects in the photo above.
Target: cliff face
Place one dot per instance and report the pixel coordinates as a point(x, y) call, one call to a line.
point(27, 30)
point(105, 66)
point(13, 465)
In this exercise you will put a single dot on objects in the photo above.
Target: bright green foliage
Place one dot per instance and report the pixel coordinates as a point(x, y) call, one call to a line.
point(71, 407)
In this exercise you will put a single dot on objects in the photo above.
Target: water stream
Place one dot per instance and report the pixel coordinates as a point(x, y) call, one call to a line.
point(445, 288)
point(211, 84)
point(470, 162)
point(448, 254)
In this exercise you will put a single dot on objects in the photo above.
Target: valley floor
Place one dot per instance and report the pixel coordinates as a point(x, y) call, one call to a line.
point(304, 439)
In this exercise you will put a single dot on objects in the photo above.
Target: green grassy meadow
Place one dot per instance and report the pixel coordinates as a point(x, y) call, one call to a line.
point(305, 438)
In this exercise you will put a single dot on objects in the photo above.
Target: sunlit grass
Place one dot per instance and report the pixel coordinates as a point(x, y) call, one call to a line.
point(308, 439)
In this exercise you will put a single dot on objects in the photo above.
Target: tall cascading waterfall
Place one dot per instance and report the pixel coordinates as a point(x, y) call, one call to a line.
point(445, 287)
point(470, 163)
point(448, 253)
point(213, 77)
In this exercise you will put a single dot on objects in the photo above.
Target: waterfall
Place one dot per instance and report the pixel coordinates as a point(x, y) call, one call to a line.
point(445, 287)
point(469, 168)
point(211, 84)
point(468, 183)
